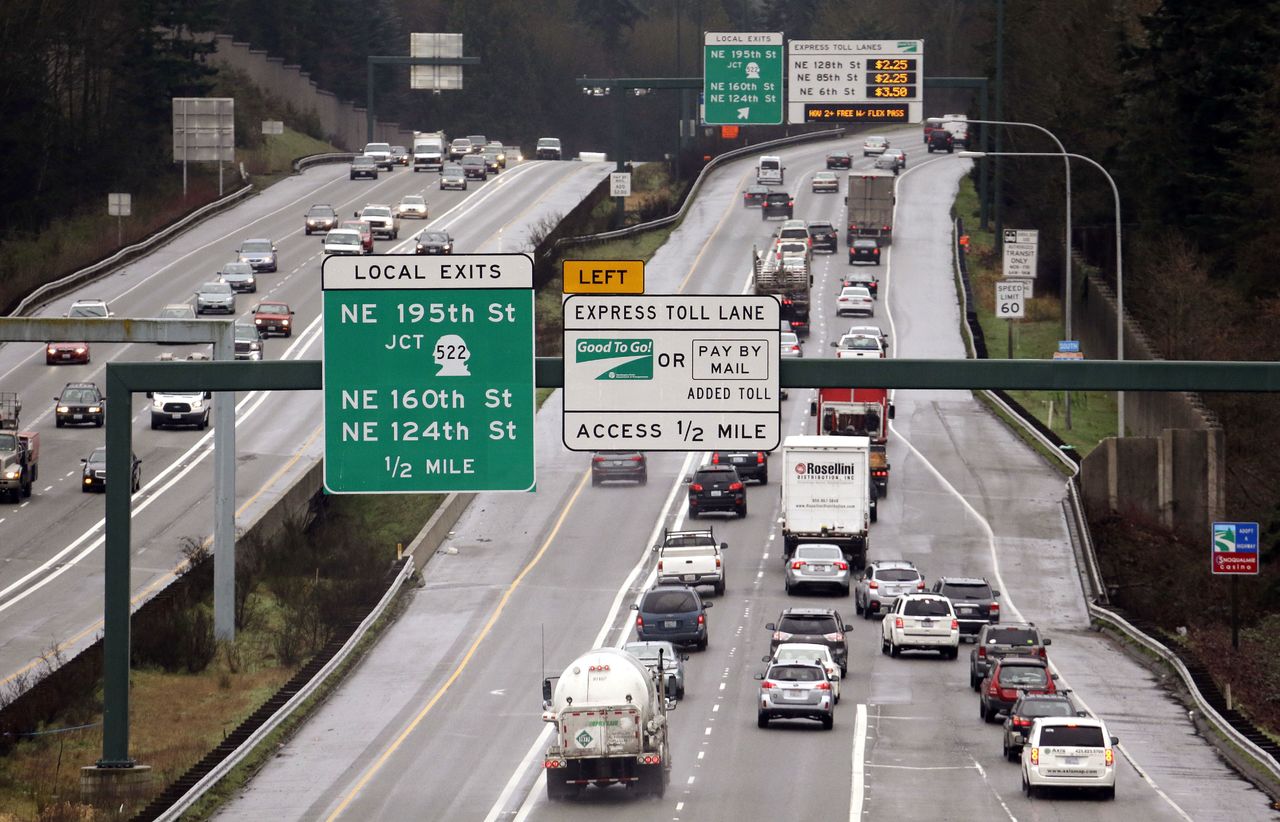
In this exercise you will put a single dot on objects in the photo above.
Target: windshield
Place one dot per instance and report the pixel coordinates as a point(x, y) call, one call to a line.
point(8, 442)
point(321, 211)
point(549, 142)
point(850, 425)
point(788, 338)
point(176, 312)
point(335, 238)
point(669, 602)
point(832, 552)
point(860, 344)
point(808, 624)
point(237, 268)
point(215, 288)
point(791, 653)
point(98, 455)
point(927, 608)
point(954, 590)
point(377, 147)
point(770, 164)
point(1045, 707)
point(273, 308)
point(246, 332)
point(1023, 676)
point(412, 200)
point(435, 237)
point(256, 247)
point(1012, 636)
point(796, 673)
point(452, 171)
point(380, 211)
point(1071, 736)
point(79, 396)
point(91, 310)
point(897, 575)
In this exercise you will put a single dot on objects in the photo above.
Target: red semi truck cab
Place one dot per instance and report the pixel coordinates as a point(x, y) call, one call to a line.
point(858, 412)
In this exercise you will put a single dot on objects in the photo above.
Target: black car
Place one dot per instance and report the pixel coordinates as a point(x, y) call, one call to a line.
point(400, 155)
point(473, 167)
point(675, 613)
point(362, 166)
point(434, 242)
point(619, 465)
point(996, 641)
point(1017, 724)
point(974, 602)
point(94, 473)
point(820, 626)
point(777, 204)
point(941, 140)
point(79, 402)
point(751, 465)
point(839, 159)
point(716, 488)
point(754, 195)
point(823, 236)
point(249, 342)
point(863, 279)
point(491, 163)
point(320, 217)
point(864, 251)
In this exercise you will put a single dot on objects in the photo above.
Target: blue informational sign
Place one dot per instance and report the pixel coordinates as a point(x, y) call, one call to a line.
point(1069, 346)
point(1235, 548)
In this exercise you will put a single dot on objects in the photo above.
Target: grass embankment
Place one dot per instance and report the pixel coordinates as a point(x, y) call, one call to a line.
point(1093, 413)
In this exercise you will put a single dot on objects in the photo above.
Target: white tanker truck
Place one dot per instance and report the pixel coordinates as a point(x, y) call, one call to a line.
point(610, 717)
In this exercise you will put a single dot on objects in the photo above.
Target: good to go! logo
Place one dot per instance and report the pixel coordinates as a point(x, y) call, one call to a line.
point(623, 359)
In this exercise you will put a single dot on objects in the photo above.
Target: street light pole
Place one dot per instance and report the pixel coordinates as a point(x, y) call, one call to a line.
point(1115, 193)
point(1066, 240)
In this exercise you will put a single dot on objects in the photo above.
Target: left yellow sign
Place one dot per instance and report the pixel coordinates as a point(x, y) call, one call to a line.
point(604, 276)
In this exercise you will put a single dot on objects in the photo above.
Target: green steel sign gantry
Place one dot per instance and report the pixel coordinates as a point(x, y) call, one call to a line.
point(428, 373)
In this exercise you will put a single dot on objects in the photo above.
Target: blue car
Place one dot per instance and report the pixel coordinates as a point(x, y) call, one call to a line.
point(674, 613)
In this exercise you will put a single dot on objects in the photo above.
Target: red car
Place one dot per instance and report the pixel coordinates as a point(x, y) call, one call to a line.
point(66, 352)
point(1011, 677)
point(366, 233)
point(273, 318)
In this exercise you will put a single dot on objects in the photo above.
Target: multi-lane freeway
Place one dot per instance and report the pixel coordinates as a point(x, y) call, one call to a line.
point(443, 718)
point(51, 544)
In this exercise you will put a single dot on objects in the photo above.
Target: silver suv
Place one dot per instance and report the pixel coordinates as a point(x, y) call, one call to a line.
point(882, 583)
point(817, 565)
point(795, 690)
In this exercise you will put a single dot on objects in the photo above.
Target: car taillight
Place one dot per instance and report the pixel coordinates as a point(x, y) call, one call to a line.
point(1035, 756)
point(982, 652)
point(767, 685)
point(995, 608)
point(833, 637)
point(659, 565)
point(702, 620)
point(880, 472)
point(1110, 757)
point(824, 686)
point(1042, 653)
point(798, 564)
point(1021, 723)
point(597, 459)
point(715, 458)
point(760, 455)
point(695, 486)
point(717, 562)
point(790, 203)
point(875, 251)
point(637, 458)
point(639, 621)
point(841, 565)
point(920, 585)
point(794, 348)
point(735, 486)
point(955, 625)
point(993, 689)
point(873, 585)
point(897, 622)
point(1008, 694)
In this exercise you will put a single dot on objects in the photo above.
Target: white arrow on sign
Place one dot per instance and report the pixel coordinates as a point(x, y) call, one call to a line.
point(744, 113)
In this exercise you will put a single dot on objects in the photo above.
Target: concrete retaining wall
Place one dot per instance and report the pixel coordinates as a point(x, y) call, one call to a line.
point(342, 121)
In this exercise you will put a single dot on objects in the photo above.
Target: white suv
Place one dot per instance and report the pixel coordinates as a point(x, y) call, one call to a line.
point(1069, 752)
point(921, 622)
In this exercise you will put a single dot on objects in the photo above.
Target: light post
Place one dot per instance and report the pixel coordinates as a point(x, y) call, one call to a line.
point(1115, 192)
point(1066, 240)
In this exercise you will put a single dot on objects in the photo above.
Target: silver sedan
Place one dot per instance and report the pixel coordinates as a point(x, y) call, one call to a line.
point(817, 565)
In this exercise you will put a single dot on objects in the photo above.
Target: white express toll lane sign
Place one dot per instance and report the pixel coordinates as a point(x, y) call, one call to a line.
point(428, 373)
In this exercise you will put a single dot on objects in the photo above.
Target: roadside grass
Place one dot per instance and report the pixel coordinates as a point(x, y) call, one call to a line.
point(390, 519)
point(273, 160)
point(1093, 413)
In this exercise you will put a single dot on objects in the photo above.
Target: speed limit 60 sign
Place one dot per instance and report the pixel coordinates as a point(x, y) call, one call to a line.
point(1010, 302)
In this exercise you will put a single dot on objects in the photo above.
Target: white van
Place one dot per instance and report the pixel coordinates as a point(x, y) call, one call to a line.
point(1069, 752)
point(770, 171)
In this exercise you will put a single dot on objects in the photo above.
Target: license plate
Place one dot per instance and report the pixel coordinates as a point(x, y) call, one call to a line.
point(690, 577)
point(794, 694)
point(66, 356)
point(77, 416)
point(1071, 760)
point(670, 623)
point(822, 569)
point(928, 623)
point(737, 460)
point(176, 416)
point(715, 493)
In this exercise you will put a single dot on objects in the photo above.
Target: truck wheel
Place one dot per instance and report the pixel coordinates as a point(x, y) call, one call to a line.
point(762, 721)
point(875, 513)
point(557, 788)
point(720, 588)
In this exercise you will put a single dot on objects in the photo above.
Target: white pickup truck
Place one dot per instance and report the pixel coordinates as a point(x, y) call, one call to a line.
point(691, 558)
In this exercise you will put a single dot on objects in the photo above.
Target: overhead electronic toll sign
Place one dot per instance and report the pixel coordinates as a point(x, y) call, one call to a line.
point(428, 373)
point(603, 276)
point(742, 78)
point(671, 373)
point(846, 81)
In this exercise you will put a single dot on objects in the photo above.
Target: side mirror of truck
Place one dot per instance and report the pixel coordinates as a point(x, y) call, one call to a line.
point(671, 704)
point(813, 409)
point(546, 691)
point(83, 459)
point(635, 606)
point(1048, 642)
point(835, 344)
point(356, 214)
point(150, 394)
point(892, 408)
point(1054, 677)
point(208, 395)
point(766, 659)
point(769, 626)
point(724, 546)
point(657, 548)
point(760, 677)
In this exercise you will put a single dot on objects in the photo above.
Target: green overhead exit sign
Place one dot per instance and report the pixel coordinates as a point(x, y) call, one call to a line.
point(428, 373)
point(742, 78)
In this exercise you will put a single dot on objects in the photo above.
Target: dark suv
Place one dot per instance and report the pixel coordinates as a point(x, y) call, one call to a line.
point(675, 613)
point(941, 140)
point(751, 465)
point(619, 465)
point(79, 402)
point(820, 626)
point(995, 642)
point(473, 167)
point(777, 204)
point(320, 217)
point(824, 237)
point(974, 601)
point(839, 159)
point(716, 488)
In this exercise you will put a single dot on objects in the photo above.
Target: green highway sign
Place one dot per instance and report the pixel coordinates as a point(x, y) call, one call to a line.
point(742, 78)
point(428, 373)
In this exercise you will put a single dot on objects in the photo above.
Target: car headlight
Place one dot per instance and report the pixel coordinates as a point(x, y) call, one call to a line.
point(80, 349)
point(284, 322)
point(420, 248)
point(257, 321)
point(197, 404)
point(53, 350)
point(254, 346)
point(62, 409)
point(93, 409)
point(12, 473)
point(157, 404)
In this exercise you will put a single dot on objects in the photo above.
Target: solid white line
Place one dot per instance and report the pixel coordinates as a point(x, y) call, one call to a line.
point(983, 771)
point(856, 791)
point(974, 766)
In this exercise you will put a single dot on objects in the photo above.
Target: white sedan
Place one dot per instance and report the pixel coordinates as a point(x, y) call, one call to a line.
point(412, 206)
point(874, 145)
point(809, 652)
point(855, 300)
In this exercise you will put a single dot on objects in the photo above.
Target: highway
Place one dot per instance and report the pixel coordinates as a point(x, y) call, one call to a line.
point(50, 545)
point(443, 718)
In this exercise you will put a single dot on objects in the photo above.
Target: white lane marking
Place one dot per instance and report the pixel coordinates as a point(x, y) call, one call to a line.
point(679, 807)
point(500, 804)
point(48, 488)
point(991, 537)
point(690, 782)
point(983, 771)
point(857, 789)
point(701, 754)
point(722, 686)
point(715, 708)
point(706, 731)
point(974, 766)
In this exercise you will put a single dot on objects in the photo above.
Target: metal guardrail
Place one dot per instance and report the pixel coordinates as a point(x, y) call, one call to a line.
point(689, 197)
point(317, 159)
point(235, 757)
point(1220, 723)
point(1092, 574)
point(48, 290)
